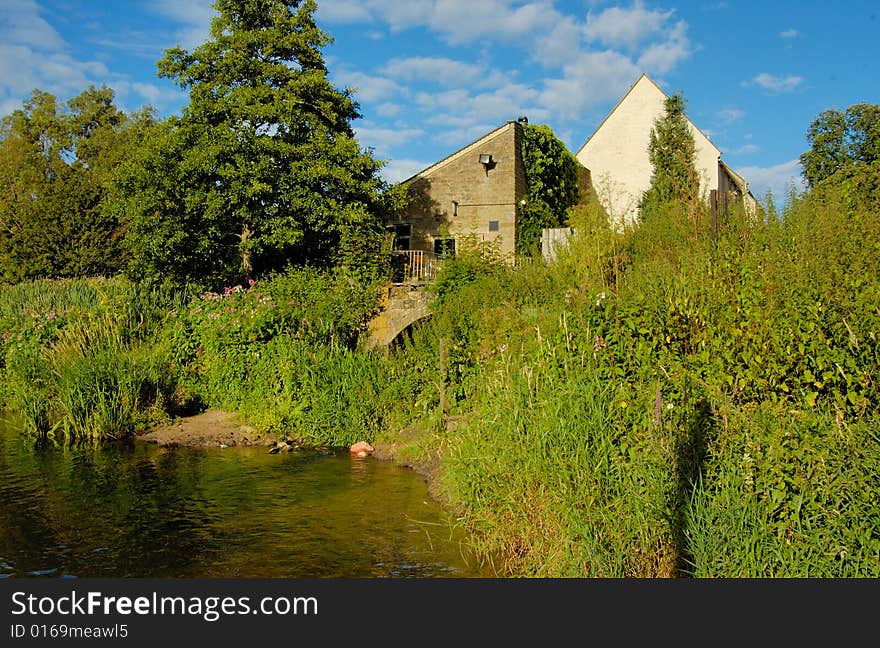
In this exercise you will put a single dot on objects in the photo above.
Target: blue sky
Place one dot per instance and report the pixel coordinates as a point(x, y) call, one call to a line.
point(432, 75)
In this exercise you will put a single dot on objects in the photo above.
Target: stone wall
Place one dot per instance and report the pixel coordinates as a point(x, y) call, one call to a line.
point(462, 198)
point(402, 306)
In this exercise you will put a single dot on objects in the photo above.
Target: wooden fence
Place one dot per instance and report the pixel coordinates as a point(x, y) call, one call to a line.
point(414, 266)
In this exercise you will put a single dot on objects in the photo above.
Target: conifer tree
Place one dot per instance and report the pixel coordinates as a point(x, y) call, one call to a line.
point(672, 154)
point(262, 167)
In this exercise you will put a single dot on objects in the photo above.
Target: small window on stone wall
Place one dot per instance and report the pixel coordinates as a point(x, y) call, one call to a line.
point(493, 226)
point(444, 248)
point(402, 236)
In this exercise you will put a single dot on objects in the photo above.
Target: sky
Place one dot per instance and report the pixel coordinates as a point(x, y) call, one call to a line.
point(433, 75)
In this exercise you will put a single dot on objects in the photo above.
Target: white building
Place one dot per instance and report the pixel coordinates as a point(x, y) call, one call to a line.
point(617, 155)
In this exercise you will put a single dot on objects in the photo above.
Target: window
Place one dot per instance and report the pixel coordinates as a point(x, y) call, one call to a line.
point(402, 236)
point(493, 226)
point(444, 247)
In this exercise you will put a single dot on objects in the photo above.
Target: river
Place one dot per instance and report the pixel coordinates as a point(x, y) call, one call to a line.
point(138, 510)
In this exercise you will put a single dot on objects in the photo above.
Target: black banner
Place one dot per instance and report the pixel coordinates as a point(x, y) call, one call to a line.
point(467, 611)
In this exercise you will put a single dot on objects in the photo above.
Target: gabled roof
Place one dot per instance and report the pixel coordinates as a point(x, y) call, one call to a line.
point(622, 99)
point(738, 180)
point(462, 150)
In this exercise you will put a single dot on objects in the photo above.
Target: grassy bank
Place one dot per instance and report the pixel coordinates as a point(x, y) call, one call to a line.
point(665, 401)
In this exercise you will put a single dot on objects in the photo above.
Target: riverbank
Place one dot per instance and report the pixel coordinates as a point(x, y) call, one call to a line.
point(215, 428)
point(666, 402)
point(210, 429)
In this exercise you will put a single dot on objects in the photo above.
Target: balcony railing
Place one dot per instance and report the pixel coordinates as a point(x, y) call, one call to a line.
point(414, 266)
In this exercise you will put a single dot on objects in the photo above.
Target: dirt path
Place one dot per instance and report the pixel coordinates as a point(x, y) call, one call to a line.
point(211, 429)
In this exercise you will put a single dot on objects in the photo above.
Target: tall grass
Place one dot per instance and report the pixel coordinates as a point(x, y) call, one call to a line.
point(77, 357)
point(664, 401)
point(672, 401)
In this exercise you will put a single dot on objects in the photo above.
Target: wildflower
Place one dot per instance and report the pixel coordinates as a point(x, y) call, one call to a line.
point(669, 406)
point(601, 297)
point(599, 343)
point(251, 282)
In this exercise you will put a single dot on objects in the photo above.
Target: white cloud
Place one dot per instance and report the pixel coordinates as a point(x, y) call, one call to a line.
point(33, 55)
point(590, 79)
point(444, 71)
point(560, 42)
point(730, 115)
point(343, 11)
point(398, 170)
point(383, 139)
point(194, 17)
point(23, 25)
point(775, 84)
point(367, 87)
point(132, 96)
point(458, 21)
point(746, 149)
point(778, 179)
point(389, 109)
point(589, 60)
point(662, 57)
point(22, 69)
point(617, 26)
point(469, 112)
point(790, 33)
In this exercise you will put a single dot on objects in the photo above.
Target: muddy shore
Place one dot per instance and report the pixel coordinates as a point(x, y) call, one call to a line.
point(219, 429)
point(211, 429)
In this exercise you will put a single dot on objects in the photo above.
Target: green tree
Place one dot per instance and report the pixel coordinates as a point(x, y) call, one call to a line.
point(54, 166)
point(672, 152)
point(262, 169)
point(840, 140)
point(552, 175)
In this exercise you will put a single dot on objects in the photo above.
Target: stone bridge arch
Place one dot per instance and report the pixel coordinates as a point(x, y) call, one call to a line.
point(402, 306)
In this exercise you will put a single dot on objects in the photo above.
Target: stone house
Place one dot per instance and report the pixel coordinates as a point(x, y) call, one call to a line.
point(617, 156)
point(470, 197)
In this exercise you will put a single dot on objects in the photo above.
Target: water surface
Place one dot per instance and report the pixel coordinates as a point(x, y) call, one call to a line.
point(142, 511)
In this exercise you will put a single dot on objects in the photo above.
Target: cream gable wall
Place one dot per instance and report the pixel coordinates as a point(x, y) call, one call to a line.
point(617, 153)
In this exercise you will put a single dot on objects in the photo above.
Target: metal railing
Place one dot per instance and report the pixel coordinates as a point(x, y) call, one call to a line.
point(414, 266)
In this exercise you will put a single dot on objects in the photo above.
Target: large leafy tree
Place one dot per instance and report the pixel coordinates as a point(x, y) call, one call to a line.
point(262, 167)
point(552, 180)
point(671, 150)
point(841, 140)
point(55, 162)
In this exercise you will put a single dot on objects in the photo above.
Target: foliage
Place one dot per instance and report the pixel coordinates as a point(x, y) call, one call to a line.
point(475, 261)
point(74, 357)
point(841, 140)
point(659, 403)
point(262, 168)
point(671, 150)
point(552, 175)
point(54, 168)
point(281, 353)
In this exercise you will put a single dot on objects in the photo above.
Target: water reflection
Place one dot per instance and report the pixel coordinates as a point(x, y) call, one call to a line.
point(140, 510)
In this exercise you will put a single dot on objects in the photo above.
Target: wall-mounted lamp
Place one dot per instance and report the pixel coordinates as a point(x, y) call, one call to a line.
point(487, 161)
point(455, 208)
